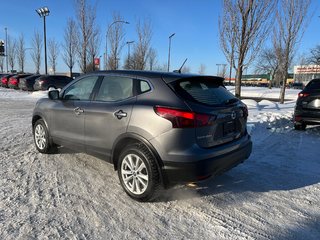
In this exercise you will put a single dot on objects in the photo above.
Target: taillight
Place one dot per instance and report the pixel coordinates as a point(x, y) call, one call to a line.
point(13, 81)
point(245, 111)
point(302, 95)
point(297, 118)
point(184, 119)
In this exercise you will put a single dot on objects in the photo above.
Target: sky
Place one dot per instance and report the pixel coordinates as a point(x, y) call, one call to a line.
point(194, 22)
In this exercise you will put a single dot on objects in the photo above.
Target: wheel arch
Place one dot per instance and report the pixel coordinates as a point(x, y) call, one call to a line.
point(38, 116)
point(131, 138)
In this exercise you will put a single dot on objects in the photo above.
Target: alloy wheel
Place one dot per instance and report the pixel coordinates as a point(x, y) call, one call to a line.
point(40, 136)
point(134, 174)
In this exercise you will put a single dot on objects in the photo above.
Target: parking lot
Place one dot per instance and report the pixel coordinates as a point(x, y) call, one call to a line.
point(275, 194)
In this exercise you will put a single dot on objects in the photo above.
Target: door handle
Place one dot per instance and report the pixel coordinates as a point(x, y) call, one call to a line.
point(78, 111)
point(120, 114)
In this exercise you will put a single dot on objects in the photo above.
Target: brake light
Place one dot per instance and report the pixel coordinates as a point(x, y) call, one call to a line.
point(302, 95)
point(184, 119)
point(297, 118)
point(13, 81)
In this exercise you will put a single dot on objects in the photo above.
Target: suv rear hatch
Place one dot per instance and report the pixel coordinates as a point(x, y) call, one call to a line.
point(223, 115)
point(310, 96)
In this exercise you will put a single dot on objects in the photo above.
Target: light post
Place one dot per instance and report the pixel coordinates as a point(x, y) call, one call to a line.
point(128, 43)
point(6, 48)
point(106, 56)
point(43, 13)
point(218, 70)
point(169, 50)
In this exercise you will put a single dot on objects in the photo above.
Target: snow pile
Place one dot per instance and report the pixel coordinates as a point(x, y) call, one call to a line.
point(263, 92)
point(18, 94)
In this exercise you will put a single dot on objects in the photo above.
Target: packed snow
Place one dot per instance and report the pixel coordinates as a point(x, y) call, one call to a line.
point(275, 194)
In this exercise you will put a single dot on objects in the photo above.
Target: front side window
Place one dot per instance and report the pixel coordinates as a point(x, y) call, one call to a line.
point(81, 90)
point(115, 89)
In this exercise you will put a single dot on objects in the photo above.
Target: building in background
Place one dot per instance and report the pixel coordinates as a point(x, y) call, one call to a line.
point(304, 73)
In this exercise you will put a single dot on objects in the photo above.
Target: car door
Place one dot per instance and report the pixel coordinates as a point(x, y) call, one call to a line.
point(69, 113)
point(109, 114)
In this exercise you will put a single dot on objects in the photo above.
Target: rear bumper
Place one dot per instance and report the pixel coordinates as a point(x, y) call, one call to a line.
point(4, 84)
point(304, 116)
point(14, 86)
point(181, 172)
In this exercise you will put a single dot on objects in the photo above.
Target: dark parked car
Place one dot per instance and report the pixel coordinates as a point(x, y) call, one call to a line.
point(14, 80)
point(297, 85)
point(51, 81)
point(26, 83)
point(157, 129)
point(307, 110)
point(5, 80)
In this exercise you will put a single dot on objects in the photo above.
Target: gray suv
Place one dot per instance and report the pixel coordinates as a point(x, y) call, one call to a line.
point(157, 129)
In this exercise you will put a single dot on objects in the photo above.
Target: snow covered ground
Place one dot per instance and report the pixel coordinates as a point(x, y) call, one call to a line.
point(275, 194)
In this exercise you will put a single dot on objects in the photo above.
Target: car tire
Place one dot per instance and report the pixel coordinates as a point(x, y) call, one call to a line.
point(300, 127)
point(138, 173)
point(41, 138)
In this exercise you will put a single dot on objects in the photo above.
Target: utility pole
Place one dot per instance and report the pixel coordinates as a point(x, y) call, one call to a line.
point(129, 60)
point(43, 13)
point(6, 29)
point(169, 50)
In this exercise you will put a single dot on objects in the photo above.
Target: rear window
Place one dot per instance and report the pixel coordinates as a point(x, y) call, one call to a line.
point(203, 90)
point(313, 85)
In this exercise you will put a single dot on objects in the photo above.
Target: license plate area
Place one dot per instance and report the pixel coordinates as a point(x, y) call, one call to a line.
point(229, 128)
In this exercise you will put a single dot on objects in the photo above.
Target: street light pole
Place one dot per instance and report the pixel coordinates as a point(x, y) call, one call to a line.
point(6, 48)
point(106, 56)
point(128, 43)
point(44, 12)
point(169, 50)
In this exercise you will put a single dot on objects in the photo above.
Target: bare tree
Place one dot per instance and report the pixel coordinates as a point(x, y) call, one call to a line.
point(21, 53)
point(288, 32)
point(246, 22)
point(228, 30)
point(185, 69)
point(86, 18)
point(70, 44)
point(36, 50)
point(142, 47)
point(53, 46)
point(162, 68)
point(93, 47)
point(116, 35)
point(269, 63)
point(202, 69)
point(152, 58)
point(314, 55)
point(11, 52)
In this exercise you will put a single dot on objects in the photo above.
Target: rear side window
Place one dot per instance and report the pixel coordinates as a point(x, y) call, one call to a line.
point(115, 89)
point(144, 86)
point(313, 85)
point(203, 90)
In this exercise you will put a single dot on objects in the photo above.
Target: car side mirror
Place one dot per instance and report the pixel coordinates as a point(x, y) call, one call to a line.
point(53, 94)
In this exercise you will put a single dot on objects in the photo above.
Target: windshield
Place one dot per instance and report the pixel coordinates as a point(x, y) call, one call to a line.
point(204, 91)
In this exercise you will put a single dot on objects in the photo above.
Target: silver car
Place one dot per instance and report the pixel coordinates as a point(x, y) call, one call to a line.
point(157, 129)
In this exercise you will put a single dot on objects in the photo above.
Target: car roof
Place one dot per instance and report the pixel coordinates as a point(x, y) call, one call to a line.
point(168, 77)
